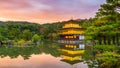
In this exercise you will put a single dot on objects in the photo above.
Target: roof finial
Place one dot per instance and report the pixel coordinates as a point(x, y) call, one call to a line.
point(71, 18)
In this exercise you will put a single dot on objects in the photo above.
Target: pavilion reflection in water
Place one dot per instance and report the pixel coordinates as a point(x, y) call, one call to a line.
point(72, 53)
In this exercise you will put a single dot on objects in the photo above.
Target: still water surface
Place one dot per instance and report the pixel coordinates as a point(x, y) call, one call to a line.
point(43, 56)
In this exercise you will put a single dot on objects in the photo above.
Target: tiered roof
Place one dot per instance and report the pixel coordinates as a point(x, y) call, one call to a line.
point(71, 27)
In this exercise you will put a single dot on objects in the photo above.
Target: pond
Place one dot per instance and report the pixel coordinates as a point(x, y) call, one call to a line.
point(37, 61)
point(52, 55)
point(56, 55)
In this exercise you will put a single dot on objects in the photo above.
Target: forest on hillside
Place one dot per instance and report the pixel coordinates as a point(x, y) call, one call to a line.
point(21, 32)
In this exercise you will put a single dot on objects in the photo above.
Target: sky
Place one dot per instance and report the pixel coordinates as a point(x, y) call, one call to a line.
point(48, 11)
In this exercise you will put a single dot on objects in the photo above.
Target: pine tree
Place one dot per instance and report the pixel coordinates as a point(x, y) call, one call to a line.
point(109, 11)
point(107, 23)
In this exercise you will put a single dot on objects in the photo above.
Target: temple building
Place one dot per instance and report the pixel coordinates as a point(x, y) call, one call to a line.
point(71, 53)
point(71, 31)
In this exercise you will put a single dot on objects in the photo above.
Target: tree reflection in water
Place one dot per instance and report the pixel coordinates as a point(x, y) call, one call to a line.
point(26, 52)
point(102, 56)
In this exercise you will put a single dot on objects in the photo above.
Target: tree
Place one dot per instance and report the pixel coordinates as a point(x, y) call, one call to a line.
point(2, 38)
point(27, 35)
point(108, 60)
point(106, 24)
point(108, 11)
point(14, 33)
point(36, 38)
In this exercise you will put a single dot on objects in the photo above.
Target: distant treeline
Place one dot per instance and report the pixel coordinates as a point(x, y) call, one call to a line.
point(26, 31)
point(16, 31)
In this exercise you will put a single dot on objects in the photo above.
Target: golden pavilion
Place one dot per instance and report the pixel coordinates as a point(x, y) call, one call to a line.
point(71, 30)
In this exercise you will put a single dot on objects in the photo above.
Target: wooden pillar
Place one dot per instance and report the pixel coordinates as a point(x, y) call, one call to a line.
point(108, 40)
point(104, 39)
point(100, 39)
point(113, 39)
point(117, 39)
point(0, 43)
point(118, 36)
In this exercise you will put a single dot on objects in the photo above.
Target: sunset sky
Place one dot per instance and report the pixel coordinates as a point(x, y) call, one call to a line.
point(47, 11)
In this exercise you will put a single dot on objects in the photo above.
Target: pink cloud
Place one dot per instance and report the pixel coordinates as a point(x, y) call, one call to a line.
point(48, 10)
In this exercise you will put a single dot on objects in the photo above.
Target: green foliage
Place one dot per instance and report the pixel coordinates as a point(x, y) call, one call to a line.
point(108, 59)
point(110, 48)
point(18, 30)
point(102, 56)
point(27, 35)
point(36, 38)
point(50, 31)
point(21, 42)
point(106, 24)
point(107, 55)
point(2, 38)
point(88, 53)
